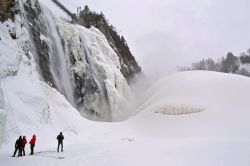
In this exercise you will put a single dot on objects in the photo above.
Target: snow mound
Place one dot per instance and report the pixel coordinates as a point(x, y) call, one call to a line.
point(194, 91)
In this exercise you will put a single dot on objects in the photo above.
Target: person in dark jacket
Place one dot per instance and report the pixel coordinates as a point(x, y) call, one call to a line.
point(23, 145)
point(60, 138)
point(18, 146)
point(32, 144)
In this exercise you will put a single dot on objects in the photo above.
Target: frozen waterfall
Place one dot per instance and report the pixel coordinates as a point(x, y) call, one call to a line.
point(59, 61)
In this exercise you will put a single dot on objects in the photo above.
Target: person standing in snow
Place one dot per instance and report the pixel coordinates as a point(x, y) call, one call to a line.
point(32, 144)
point(23, 146)
point(60, 138)
point(18, 146)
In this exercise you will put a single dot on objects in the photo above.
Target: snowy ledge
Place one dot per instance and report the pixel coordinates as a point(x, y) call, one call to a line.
point(177, 109)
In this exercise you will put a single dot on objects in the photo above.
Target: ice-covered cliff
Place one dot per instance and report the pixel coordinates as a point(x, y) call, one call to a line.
point(77, 61)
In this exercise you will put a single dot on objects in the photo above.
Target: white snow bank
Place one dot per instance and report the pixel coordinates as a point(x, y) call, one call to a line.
point(218, 135)
point(199, 89)
point(223, 99)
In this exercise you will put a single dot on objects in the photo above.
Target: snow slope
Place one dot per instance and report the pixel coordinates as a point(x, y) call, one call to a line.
point(215, 135)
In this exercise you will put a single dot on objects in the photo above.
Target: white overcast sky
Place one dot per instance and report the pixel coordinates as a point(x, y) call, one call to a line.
point(163, 34)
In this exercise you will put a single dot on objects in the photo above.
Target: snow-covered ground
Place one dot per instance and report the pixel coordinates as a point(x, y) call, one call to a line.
point(214, 132)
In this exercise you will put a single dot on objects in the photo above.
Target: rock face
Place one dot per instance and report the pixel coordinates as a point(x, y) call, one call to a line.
point(129, 66)
point(7, 10)
point(82, 64)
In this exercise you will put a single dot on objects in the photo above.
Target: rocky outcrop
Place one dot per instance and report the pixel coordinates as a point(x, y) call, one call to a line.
point(129, 66)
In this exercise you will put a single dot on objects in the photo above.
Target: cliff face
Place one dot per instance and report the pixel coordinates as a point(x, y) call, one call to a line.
point(129, 66)
point(79, 62)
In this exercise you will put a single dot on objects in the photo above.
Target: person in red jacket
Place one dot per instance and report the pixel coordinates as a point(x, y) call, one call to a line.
point(32, 144)
point(23, 146)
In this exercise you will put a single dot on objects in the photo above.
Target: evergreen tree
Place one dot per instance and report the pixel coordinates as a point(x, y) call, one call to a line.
point(86, 9)
point(210, 64)
point(230, 63)
point(245, 58)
